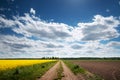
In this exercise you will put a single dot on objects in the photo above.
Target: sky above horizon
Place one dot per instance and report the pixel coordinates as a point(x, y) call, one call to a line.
point(59, 28)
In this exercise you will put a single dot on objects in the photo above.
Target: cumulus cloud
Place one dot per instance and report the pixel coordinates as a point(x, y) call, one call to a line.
point(53, 46)
point(12, 46)
point(102, 28)
point(57, 39)
point(114, 44)
point(33, 26)
point(32, 11)
point(76, 46)
point(6, 22)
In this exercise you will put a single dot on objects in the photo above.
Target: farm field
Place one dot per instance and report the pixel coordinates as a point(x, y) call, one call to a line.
point(36, 70)
point(65, 70)
point(108, 70)
point(24, 69)
point(59, 39)
point(9, 64)
point(59, 70)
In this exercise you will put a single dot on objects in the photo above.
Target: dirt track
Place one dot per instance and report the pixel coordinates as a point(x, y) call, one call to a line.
point(68, 75)
point(51, 74)
point(109, 70)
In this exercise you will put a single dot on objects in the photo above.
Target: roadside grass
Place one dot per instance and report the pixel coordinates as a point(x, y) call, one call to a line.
point(60, 73)
point(76, 69)
point(30, 72)
point(95, 77)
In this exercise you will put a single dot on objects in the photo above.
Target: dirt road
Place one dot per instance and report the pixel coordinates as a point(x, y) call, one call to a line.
point(68, 75)
point(51, 74)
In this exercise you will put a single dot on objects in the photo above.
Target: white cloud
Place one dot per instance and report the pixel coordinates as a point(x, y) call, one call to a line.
point(57, 39)
point(114, 44)
point(76, 46)
point(32, 11)
point(102, 28)
point(6, 22)
point(33, 26)
point(12, 46)
point(119, 2)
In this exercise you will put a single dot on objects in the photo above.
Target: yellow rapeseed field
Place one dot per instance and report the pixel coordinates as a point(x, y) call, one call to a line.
point(9, 64)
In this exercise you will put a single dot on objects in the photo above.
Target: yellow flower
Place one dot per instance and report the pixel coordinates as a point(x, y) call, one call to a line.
point(9, 64)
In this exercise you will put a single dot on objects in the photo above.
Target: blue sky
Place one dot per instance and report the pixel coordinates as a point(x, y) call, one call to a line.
point(61, 28)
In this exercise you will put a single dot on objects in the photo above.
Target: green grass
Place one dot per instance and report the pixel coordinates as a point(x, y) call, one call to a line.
point(60, 73)
point(26, 72)
point(76, 69)
point(95, 77)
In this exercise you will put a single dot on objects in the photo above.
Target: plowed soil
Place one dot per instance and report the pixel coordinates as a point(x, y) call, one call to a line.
point(108, 70)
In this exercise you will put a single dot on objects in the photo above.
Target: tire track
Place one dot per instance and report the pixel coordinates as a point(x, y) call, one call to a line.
point(68, 75)
point(51, 74)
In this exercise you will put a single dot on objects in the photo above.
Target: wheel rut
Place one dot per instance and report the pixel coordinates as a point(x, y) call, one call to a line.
point(68, 75)
point(52, 73)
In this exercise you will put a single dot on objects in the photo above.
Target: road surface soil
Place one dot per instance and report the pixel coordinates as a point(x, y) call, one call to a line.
point(51, 74)
point(108, 70)
point(68, 75)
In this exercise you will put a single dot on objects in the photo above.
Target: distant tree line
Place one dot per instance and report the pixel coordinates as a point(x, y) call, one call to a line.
point(93, 58)
point(49, 58)
point(80, 58)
